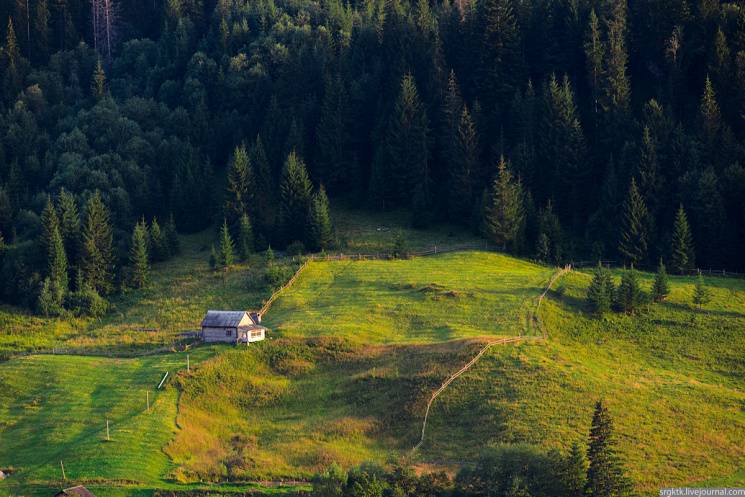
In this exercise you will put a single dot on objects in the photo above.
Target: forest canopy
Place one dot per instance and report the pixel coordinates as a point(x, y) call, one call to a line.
point(559, 129)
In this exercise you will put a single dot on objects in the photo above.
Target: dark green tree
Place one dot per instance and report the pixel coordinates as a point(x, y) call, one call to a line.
point(682, 256)
point(334, 161)
point(617, 85)
point(226, 248)
point(157, 242)
point(98, 85)
point(635, 225)
point(574, 472)
point(629, 294)
point(701, 294)
point(661, 286)
point(600, 291)
point(138, 256)
point(605, 474)
point(502, 65)
point(464, 162)
point(295, 199)
point(245, 238)
point(70, 226)
point(263, 208)
point(320, 231)
point(505, 211)
point(98, 252)
point(240, 187)
point(408, 145)
point(595, 57)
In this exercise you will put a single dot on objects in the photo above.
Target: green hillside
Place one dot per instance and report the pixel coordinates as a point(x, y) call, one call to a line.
point(356, 350)
point(422, 300)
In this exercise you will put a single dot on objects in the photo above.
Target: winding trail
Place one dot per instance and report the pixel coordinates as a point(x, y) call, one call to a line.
point(534, 320)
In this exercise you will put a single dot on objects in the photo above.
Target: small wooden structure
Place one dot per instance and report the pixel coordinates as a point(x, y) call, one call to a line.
point(232, 327)
point(78, 491)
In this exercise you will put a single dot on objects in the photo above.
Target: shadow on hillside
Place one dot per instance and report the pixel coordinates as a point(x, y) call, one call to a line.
point(690, 308)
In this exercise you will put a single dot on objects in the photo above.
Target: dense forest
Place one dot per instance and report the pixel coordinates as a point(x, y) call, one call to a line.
point(559, 129)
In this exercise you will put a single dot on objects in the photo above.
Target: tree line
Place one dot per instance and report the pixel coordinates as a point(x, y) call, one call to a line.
point(558, 129)
point(510, 471)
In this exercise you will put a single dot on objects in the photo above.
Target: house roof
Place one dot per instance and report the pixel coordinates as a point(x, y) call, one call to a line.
point(225, 319)
point(78, 491)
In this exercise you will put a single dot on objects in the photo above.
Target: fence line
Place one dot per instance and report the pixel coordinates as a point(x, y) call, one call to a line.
point(688, 272)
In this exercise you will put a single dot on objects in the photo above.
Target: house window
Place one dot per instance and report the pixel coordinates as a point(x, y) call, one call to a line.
point(255, 334)
point(228, 333)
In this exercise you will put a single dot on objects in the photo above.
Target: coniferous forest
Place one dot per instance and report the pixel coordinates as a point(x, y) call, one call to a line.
point(558, 129)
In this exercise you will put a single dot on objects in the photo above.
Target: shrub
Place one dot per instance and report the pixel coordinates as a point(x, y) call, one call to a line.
point(295, 248)
point(87, 302)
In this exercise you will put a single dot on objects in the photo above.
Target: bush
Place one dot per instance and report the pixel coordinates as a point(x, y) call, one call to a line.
point(278, 275)
point(295, 248)
point(87, 302)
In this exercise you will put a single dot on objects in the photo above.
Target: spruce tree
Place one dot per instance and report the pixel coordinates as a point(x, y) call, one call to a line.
point(617, 84)
point(334, 159)
point(13, 57)
point(407, 145)
point(262, 210)
point(69, 218)
point(505, 210)
point(47, 302)
point(98, 254)
point(574, 472)
point(320, 230)
point(682, 257)
point(226, 248)
point(661, 287)
point(157, 242)
point(295, 199)
point(634, 234)
point(709, 114)
point(138, 256)
point(54, 249)
point(605, 474)
point(600, 291)
point(594, 56)
point(49, 224)
point(245, 238)
point(41, 27)
point(240, 186)
point(701, 294)
point(463, 164)
point(629, 295)
point(502, 64)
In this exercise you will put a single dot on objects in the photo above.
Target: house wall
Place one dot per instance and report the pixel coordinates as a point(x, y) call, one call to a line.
point(210, 334)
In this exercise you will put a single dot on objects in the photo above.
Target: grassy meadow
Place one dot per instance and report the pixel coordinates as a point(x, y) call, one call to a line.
point(421, 300)
point(673, 378)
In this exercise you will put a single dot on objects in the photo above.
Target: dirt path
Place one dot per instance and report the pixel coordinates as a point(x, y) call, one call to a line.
point(534, 319)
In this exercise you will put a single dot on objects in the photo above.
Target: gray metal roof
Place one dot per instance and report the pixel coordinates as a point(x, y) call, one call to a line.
point(223, 319)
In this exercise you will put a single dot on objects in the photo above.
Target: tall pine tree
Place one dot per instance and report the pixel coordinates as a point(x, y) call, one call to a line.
point(505, 211)
point(98, 252)
point(138, 256)
point(635, 225)
point(295, 199)
point(320, 232)
point(605, 475)
point(682, 256)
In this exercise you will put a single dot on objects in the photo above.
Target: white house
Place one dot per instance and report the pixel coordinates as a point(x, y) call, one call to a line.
point(232, 327)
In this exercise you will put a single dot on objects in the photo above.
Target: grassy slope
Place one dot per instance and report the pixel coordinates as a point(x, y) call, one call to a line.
point(422, 300)
point(288, 408)
point(54, 408)
point(673, 379)
point(180, 291)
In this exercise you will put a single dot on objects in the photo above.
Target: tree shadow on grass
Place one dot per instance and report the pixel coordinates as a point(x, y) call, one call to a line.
point(710, 312)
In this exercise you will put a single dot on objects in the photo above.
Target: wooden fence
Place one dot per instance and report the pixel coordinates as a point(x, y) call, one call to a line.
point(723, 273)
